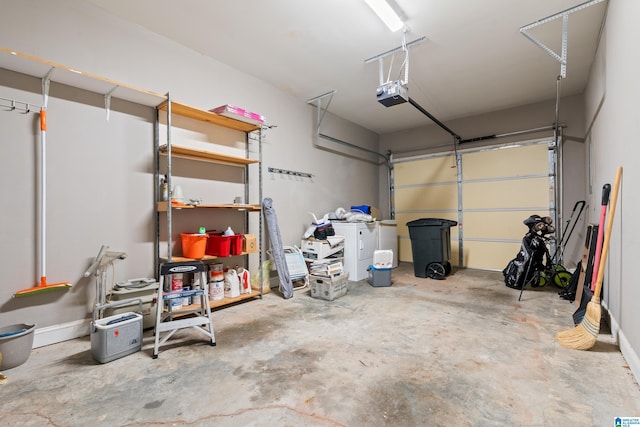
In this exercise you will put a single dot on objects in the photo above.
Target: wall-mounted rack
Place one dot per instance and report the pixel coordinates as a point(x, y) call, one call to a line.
point(292, 173)
point(20, 106)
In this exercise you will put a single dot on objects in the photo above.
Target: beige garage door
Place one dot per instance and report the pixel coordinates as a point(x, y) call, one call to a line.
point(489, 192)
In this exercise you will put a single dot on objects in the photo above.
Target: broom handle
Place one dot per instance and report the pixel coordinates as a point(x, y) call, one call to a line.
point(43, 197)
point(607, 237)
point(606, 189)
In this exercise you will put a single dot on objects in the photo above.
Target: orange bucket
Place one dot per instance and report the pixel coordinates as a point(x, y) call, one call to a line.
point(193, 245)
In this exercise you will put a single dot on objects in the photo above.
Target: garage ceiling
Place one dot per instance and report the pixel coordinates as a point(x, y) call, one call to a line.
point(472, 60)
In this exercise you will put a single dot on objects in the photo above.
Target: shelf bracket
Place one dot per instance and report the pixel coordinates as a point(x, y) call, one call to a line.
point(46, 83)
point(107, 101)
point(562, 57)
point(321, 112)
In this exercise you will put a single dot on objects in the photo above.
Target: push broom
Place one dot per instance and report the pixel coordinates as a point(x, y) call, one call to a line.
point(43, 286)
point(583, 336)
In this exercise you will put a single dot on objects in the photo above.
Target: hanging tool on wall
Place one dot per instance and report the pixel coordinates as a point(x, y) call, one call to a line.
point(43, 286)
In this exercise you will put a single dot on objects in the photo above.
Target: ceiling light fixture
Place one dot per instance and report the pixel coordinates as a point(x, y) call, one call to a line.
point(388, 14)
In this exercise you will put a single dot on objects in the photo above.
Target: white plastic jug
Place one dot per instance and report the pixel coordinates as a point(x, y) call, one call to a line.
point(245, 280)
point(231, 284)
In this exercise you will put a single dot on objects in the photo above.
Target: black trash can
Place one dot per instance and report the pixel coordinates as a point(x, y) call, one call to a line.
point(431, 246)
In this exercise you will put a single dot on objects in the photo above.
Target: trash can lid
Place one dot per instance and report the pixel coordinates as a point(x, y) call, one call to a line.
point(431, 222)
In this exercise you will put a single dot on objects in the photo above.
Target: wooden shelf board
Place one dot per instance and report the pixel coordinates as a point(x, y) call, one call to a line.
point(207, 156)
point(162, 207)
point(207, 116)
point(189, 309)
point(38, 67)
point(205, 258)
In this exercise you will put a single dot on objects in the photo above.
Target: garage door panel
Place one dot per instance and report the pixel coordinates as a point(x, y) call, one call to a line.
point(404, 249)
point(533, 192)
point(527, 160)
point(489, 255)
point(505, 225)
point(427, 170)
point(429, 197)
point(500, 187)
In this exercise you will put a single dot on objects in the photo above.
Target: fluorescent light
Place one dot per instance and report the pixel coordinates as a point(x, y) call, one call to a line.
point(386, 14)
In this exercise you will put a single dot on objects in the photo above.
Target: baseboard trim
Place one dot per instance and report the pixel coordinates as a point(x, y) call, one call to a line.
point(629, 354)
point(58, 333)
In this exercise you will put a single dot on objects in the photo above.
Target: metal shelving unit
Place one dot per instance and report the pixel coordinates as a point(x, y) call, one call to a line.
point(170, 150)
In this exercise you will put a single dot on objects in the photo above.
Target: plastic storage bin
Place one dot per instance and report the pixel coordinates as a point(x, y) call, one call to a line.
point(218, 245)
point(116, 336)
point(431, 244)
point(148, 296)
point(383, 258)
point(379, 277)
point(235, 244)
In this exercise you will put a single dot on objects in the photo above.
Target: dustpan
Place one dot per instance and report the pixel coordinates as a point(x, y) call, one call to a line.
point(43, 286)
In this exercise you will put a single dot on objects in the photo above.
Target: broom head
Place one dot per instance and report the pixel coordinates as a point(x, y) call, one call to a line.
point(583, 336)
point(42, 287)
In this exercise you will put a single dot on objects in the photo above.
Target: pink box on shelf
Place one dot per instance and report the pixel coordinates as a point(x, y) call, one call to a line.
point(238, 114)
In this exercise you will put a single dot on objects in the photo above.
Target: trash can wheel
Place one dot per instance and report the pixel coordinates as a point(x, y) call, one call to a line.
point(447, 268)
point(436, 271)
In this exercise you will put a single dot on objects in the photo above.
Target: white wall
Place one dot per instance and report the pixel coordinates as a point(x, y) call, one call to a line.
point(613, 117)
point(100, 173)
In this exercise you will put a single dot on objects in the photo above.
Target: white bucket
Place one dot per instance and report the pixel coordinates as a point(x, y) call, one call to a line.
point(216, 290)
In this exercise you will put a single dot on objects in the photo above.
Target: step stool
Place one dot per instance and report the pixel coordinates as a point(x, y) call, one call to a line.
point(197, 316)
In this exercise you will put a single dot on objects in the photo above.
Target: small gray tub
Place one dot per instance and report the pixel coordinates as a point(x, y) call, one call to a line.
point(16, 342)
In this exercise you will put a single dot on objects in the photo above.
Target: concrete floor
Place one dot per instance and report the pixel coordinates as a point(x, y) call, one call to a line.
point(457, 352)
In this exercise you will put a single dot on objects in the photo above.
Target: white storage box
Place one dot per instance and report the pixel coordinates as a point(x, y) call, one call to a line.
point(329, 288)
point(383, 258)
point(148, 294)
point(313, 249)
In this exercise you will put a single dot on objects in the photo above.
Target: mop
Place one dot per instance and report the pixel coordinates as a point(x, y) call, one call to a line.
point(43, 286)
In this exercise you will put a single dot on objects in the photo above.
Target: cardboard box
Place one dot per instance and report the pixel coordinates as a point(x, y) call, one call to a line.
point(249, 243)
point(329, 288)
point(313, 249)
point(238, 114)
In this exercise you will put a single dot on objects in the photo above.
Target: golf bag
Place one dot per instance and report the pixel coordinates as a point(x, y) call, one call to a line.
point(533, 254)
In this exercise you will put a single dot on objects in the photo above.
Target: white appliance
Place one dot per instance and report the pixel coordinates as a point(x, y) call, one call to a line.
point(361, 240)
point(388, 238)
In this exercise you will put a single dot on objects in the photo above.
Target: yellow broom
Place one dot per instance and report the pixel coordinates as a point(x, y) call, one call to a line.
point(583, 336)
